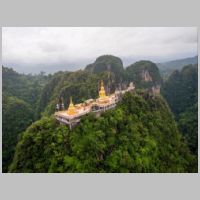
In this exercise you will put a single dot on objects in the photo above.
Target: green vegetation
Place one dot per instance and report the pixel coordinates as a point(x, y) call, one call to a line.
point(17, 116)
point(107, 63)
point(130, 138)
point(181, 89)
point(81, 85)
point(167, 68)
point(20, 96)
point(136, 72)
point(181, 93)
point(188, 125)
point(25, 87)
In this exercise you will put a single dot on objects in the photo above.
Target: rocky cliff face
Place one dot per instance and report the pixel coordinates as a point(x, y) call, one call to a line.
point(146, 76)
point(156, 90)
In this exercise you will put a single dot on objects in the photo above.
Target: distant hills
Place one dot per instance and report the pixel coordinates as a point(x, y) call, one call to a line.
point(168, 67)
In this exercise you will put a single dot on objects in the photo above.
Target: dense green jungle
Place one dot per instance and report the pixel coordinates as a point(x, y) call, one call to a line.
point(144, 133)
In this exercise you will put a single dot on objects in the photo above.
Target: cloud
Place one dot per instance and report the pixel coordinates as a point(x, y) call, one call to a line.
point(29, 49)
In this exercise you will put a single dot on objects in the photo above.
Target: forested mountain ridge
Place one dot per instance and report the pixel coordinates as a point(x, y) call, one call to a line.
point(17, 116)
point(181, 89)
point(181, 92)
point(107, 63)
point(166, 68)
point(83, 84)
point(130, 138)
point(140, 72)
point(19, 99)
point(144, 74)
point(42, 92)
point(37, 96)
point(25, 87)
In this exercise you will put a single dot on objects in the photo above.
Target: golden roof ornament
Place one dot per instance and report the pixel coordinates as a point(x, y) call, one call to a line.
point(71, 109)
point(102, 93)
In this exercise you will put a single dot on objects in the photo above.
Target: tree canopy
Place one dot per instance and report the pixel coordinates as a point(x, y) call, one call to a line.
point(20, 98)
point(181, 89)
point(17, 116)
point(181, 93)
point(130, 138)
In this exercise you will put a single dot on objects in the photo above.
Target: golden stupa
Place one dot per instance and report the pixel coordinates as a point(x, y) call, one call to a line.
point(102, 94)
point(71, 109)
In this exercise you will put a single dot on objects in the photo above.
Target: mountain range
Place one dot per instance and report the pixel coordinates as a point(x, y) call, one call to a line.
point(169, 66)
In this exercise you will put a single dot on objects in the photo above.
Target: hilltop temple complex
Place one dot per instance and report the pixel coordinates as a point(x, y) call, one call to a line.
point(104, 102)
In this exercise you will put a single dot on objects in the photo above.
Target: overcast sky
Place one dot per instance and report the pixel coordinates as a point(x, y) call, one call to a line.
point(31, 50)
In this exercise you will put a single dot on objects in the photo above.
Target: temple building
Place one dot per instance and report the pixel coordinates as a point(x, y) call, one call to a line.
point(104, 102)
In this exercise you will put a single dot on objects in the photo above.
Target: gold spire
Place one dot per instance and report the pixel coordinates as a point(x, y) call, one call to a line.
point(71, 109)
point(102, 93)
